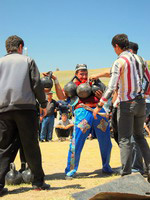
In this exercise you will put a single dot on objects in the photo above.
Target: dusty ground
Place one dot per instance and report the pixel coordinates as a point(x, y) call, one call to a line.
point(54, 156)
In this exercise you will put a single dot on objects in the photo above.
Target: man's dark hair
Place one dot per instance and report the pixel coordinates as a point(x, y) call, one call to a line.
point(12, 43)
point(134, 47)
point(121, 40)
point(64, 114)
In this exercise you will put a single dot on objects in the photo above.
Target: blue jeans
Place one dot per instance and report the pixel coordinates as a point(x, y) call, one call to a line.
point(47, 128)
point(84, 121)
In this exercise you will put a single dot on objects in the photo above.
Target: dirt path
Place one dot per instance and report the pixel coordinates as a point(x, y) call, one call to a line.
point(54, 156)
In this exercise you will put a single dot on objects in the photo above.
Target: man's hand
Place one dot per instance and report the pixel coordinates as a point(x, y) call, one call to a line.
point(47, 90)
point(41, 118)
point(93, 77)
point(62, 127)
point(107, 115)
point(48, 73)
point(43, 112)
point(54, 77)
point(45, 73)
point(98, 94)
point(95, 112)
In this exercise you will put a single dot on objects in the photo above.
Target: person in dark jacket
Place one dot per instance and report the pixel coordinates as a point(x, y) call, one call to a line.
point(20, 86)
point(48, 120)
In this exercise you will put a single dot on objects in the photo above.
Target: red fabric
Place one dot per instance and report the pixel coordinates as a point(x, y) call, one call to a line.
point(90, 99)
point(147, 74)
point(148, 90)
point(128, 78)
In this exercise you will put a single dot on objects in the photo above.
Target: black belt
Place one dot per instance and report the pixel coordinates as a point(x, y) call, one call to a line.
point(132, 100)
point(139, 96)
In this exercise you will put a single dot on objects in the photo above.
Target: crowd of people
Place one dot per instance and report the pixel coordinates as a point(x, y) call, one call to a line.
point(124, 97)
point(48, 122)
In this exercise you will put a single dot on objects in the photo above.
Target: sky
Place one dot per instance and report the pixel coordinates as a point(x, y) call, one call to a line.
point(63, 33)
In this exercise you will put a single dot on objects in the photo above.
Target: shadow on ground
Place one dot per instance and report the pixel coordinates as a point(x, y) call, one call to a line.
point(75, 186)
point(26, 189)
point(95, 174)
point(19, 190)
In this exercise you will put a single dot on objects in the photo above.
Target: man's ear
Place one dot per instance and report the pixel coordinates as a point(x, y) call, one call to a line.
point(116, 46)
point(131, 50)
point(20, 49)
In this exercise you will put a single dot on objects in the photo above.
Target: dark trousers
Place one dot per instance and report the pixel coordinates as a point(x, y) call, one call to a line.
point(20, 127)
point(22, 156)
point(64, 132)
point(137, 159)
point(130, 118)
point(114, 124)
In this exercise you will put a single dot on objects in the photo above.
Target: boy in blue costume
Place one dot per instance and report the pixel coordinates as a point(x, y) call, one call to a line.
point(83, 123)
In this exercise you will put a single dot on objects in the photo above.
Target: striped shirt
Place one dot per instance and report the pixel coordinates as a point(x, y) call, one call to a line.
point(125, 77)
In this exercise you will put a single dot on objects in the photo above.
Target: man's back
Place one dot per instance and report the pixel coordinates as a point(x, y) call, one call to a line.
point(16, 92)
point(128, 76)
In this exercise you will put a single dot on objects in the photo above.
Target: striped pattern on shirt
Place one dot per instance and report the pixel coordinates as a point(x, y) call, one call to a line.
point(125, 77)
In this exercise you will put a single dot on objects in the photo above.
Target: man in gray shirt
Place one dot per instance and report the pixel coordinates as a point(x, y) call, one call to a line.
point(20, 86)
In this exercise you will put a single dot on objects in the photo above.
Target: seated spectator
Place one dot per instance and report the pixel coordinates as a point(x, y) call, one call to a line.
point(64, 127)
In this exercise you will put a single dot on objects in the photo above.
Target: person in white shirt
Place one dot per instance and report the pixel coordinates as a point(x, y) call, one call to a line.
point(64, 127)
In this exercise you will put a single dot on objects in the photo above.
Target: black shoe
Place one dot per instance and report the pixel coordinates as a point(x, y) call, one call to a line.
point(41, 140)
point(148, 176)
point(3, 191)
point(44, 186)
point(108, 172)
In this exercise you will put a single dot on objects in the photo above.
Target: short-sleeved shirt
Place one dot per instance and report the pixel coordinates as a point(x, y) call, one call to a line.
point(67, 122)
point(51, 107)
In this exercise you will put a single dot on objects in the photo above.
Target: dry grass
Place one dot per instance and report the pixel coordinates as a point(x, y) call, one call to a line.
point(54, 155)
point(66, 76)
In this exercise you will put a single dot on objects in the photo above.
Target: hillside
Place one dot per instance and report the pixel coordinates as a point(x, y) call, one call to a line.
point(148, 64)
point(66, 76)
